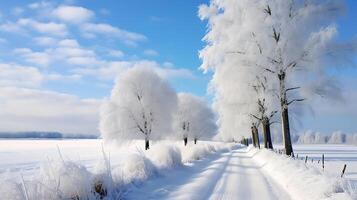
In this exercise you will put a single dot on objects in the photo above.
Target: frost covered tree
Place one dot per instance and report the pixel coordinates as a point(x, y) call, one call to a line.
point(351, 138)
point(320, 138)
point(141, 106)
point(337, 138)
point(290, 42)
point(194, 118)
point(265, 111)
point(307, 138)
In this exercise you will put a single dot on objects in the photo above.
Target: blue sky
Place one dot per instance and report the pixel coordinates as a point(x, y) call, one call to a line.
point(64, 55)
point(171, 29)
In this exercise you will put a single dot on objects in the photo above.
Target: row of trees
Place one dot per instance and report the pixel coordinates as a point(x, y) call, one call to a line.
point(144, 106)
point(337, 137)
point(267, 55)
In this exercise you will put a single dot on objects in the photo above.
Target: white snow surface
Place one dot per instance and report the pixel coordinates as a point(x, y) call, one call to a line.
point(301, 180)
point(62, 169)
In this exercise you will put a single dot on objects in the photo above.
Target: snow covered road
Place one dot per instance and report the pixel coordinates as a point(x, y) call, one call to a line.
point(226, 176)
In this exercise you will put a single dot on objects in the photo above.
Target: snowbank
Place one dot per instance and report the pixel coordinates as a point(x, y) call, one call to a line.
point(197, 152)
point(136, 169)
point(62, 179)
point(56, 180)
point(164, 156)
point(300, 180)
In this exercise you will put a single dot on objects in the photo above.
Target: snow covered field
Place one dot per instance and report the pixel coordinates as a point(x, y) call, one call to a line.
point(335, 157)
point(66, 166)
point(26, 156)
point(210, 170)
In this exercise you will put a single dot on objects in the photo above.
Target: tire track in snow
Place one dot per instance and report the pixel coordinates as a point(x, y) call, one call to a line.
point(200, 186)
point(226, 176)
point(240, 177)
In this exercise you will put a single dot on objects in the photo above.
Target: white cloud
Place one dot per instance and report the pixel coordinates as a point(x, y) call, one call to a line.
point(66, 51)
point(45, 41)
point(150, 52)
point(14, 75)
point(169, 73)
point(52, 28)
point(68, 43)
point(38, 5)
point(112, 69)
point(17, 11)
point(12, 28)
point(17, 75)
point(116, 53)
point(61, 77)
point(90, 30)
point(38, 58)
point(29, 109)
point(72, 14)
point(107, 72)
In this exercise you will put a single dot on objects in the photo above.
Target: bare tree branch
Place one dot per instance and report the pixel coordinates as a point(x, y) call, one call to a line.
point(295, 100)
point(272, 114)
point(276, 35)
point(267, 10)
point(293, 88)
point(291, 12)
point(258, 44)
point(269, 70)
point(256, 117)
point(274, 122)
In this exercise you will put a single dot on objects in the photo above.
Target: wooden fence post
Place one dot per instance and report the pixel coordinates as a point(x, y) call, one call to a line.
point(323, 162)
point(305, 159)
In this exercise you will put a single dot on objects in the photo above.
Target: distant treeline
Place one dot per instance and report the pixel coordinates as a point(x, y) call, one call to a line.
point(337, 137)
point(51, 135)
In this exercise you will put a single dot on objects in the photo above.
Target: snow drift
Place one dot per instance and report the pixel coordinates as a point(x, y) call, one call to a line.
point(63, 179)
point(300, 180)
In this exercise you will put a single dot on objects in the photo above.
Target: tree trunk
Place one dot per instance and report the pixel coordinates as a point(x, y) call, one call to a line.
point(195, 140)
point(185, 141)
point(266, 132)
point(253, 137)
point(147, 145)
point(286, 131)
point(285, 114)
point(256, 136)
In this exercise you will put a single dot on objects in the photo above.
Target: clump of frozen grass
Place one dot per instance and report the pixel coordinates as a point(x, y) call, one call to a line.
point(56, 180)
point(164, 157)
point(193, 153)
point(71, 180)
point(63, 180)
point(199, 151)
point(137, 168)
point(11, 190)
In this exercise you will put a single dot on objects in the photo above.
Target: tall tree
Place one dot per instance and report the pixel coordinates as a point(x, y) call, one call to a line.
point(290, 42)
point(141, 106)
point(265, 112)
point(194, 118)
